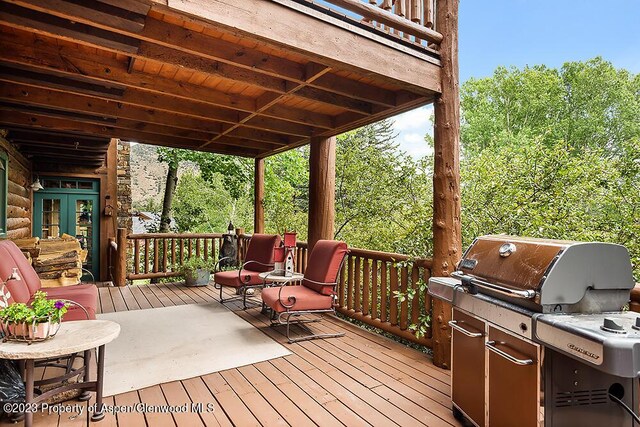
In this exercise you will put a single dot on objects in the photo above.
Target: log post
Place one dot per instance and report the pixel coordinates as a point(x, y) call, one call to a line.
point(447, 240)
point(120, 276)
point(322, 183)
point(258, 197)
point(239, 246)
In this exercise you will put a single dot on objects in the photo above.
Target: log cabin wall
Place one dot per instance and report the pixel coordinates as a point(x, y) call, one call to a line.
point(19, 198)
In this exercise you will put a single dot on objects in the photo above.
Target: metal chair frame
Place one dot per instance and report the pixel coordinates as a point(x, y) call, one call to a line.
point(284, 318)
point(241, 290)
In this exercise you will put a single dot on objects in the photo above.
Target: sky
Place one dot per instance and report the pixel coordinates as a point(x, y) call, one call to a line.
point(532, 32)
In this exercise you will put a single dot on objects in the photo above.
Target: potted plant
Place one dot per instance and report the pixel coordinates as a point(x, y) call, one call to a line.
point(196, 271)
point(36, 321)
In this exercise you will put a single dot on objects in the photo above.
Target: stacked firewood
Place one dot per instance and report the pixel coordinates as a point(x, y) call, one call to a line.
point(58, 262)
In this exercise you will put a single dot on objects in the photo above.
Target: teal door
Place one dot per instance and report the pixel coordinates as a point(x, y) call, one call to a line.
point(70, 206)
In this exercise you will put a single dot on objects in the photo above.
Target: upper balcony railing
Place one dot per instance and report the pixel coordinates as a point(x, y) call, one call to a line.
point(411, 21)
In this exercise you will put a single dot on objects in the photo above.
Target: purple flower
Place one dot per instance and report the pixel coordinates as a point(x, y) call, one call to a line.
point(59, 305)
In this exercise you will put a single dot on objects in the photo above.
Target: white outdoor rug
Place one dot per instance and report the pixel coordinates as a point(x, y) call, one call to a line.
point(167, 344)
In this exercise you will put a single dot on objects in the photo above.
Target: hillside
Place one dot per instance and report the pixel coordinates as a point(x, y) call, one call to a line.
point(148, 175)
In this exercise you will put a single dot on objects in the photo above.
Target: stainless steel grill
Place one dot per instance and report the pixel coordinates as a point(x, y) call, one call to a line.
point(539, 335)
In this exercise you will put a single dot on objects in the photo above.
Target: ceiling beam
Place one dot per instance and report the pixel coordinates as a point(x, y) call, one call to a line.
point(10, 118)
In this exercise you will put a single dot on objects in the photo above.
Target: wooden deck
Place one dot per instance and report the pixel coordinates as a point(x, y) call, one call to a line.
point(359, 379)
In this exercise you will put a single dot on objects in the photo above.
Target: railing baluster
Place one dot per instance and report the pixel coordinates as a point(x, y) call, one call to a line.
point(190, 246)
point(146, 255)
point(181, 251)
point(350, 283)
point(341, 287)
point(156, 255)
point(384, 300)
point(374, 289)
point(415, 302)
point(136, 256)
point(164, 254)
point(393, 306)
point(366, 278)
point(197, 242)
point(173, 252)
point(205, 244)
point(404, 305)
point(357, 285)
point(427, 11)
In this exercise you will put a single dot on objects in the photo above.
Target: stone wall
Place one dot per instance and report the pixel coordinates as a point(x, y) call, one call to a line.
point(124, 186)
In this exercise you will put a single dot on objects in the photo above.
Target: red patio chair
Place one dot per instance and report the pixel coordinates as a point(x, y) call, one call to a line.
point(84, 297)
point(259, 258)
point(317, 293)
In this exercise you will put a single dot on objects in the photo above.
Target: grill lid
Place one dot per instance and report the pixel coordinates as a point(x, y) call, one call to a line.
point(552, 273)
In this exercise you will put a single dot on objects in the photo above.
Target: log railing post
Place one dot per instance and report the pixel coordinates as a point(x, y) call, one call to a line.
point(120, 276)
point(447, 241)
point(258, 199)
point(322, 184)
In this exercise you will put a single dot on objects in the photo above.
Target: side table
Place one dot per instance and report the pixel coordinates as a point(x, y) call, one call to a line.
point(270, 277)
point(72, 337)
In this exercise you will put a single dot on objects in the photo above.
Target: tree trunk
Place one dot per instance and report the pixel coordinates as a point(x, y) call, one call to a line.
point(169, 191)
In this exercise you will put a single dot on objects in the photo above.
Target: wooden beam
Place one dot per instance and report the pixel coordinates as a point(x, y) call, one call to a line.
point(65, 100)
point(19, 17)
point(200, 100)
point(109, 16)
point(322, 183)
point(336, 46)
point(11, 118)
point(169, 44)
point(447, 238)
point(258, 196)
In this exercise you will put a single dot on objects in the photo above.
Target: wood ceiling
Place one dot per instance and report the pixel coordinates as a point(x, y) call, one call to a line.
point(72, 76)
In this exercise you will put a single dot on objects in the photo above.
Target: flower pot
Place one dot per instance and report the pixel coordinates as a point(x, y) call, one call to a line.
point(30, 332)
point(199, 277)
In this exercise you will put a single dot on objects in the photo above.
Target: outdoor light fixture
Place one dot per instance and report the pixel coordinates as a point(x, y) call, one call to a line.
point(36, 186)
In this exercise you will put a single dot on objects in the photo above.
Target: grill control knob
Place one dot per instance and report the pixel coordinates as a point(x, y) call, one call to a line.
point(637, 325)
point(611, 325)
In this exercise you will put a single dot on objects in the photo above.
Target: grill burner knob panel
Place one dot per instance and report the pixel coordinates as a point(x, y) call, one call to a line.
point(637, 324)
point(610, 325)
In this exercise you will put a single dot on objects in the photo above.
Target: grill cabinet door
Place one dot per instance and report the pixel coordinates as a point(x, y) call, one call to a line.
point(468, 366)
point(514, 380)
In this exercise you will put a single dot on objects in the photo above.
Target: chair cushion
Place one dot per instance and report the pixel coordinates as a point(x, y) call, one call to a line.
point(230, 278)
point(261, 250)
point(11, 257)
point(85, 295)
point(305, 298)
point(324, 265)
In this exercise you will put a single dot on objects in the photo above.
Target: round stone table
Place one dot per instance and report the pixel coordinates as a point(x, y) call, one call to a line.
point(72, 337)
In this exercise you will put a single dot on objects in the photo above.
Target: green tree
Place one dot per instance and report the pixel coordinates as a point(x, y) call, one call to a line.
point(553, 153)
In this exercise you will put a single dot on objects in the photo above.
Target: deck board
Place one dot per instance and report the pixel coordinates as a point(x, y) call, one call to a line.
point(359, 379)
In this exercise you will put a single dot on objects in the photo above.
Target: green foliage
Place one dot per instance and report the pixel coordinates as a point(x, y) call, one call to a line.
point(286, 184)
point(205, 206)
point(553, 153)
point(41, 309)
point(382, 194)
point(192, 264)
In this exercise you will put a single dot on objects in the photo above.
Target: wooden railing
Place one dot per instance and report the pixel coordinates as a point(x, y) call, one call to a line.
point(154, 254)
point(366, 290)
point(411, 20)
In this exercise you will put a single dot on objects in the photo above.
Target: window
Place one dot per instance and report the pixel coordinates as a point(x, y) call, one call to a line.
point(4, 165)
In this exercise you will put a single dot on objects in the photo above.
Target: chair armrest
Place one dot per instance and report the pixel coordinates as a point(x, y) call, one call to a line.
point(291, 300)
point(217, 265)
point(86, 313)
point(247, 278)
point(85, 271)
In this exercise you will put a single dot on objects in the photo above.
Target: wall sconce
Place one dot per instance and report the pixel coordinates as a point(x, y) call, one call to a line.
point(36, 186)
